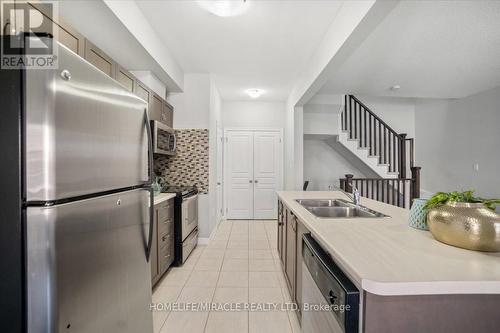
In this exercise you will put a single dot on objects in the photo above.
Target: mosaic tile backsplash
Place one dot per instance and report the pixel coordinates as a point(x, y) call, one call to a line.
point(190, 165)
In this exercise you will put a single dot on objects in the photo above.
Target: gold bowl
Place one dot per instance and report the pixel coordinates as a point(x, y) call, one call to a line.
point(467, 225)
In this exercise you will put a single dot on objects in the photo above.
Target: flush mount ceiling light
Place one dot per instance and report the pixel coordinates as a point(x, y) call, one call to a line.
point(224, 8)
point(254, 93)
point(396, 87)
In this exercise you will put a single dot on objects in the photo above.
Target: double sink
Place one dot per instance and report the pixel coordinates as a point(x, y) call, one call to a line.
point(338, 209)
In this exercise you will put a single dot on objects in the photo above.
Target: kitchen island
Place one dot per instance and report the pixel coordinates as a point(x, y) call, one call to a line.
point(398, 269)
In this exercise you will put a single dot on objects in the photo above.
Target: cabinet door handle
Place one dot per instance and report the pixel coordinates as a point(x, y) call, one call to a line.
point(256, 181)
point(250, 181)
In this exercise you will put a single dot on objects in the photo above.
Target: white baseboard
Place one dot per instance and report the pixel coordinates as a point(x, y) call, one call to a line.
point(203, 240)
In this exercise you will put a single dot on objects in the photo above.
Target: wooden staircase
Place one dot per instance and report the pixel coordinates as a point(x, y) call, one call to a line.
point(391, 149)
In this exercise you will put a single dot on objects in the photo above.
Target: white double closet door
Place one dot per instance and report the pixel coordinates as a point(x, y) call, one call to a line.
point(253, 173)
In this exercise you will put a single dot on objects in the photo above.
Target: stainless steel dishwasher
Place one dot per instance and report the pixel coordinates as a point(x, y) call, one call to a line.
point(330, 299)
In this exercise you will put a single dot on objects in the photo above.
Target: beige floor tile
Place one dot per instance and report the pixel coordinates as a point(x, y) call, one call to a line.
point(189, 263)
point(208, 264)
point(230, 295)
point(159, 318)
point(263, 279)
point(196, 294)
point(217, 244)
point(269, 322)
point(265, 295)
point(198, 250)
point(185, 322)
point(262, 265)
point(233, 279)
point(175, 277)
point(236, 254)
point(221, 236)
point(260, 254)
point(166, 294)
point(203, 279)
point(227, 322)
point(258, 244)
point(237, 244)
point(213, 253)
point(294, 321)
point(239, 237)
point(235, 265)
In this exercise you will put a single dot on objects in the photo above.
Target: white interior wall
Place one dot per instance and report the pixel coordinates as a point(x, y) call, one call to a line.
point(324, 166)
point(452, 136)
point(253, 114)
point(199, 107)
point(398, 113)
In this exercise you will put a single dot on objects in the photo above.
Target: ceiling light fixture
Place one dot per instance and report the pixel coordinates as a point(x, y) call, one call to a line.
point(254, 93)
point(396, 87)
point(224, 8)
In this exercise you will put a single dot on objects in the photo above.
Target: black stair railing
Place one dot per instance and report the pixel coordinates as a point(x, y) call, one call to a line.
point(373, 133)
point(394, 191)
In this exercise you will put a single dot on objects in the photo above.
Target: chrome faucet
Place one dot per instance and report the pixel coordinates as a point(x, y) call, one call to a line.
point(355, 197)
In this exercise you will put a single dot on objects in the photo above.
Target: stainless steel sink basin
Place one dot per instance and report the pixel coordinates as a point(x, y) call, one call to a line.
point(323, 203)
point(337, 209)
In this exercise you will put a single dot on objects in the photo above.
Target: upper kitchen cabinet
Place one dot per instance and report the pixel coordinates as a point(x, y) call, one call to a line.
point(125, 78)
point(168, 114)
point(143, 91)
point(99, 59)
point(160, 110)
point(64, 33)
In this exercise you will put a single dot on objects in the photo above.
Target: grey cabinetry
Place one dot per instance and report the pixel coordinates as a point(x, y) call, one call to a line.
point(168, 114)
point(291, 251)
point(64, 33)
point(301, 230)
point(289, 243)
point(153, 260)
point(160, 110)
point(162, 254)
point(165, 235)
point(281, 229)
point(125, 78)
point(99, 59)
point(155, 107)
point(143, 92)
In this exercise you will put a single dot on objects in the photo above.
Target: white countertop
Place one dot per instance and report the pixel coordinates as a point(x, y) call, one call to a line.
point(386, 256)
point(159, 198)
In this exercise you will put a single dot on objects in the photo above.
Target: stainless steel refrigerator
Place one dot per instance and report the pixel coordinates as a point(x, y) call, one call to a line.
point(76, 226)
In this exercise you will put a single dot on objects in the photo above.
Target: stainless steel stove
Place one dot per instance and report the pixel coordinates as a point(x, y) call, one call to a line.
point(185, 220)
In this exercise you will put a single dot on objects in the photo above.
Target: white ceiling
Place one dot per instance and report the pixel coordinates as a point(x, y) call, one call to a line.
point(432, 49)
point(265, 48)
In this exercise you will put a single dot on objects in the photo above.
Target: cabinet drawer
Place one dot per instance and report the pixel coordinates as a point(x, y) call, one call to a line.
point(165, 211)
point(165, 257)
point(165, 232)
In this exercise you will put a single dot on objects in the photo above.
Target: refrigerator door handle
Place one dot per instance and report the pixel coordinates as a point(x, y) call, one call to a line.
point(150, 182)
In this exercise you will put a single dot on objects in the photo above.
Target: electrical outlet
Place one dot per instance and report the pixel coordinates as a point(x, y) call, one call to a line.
point(476, 167)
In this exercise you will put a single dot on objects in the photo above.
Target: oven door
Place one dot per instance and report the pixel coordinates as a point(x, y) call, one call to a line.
point(189, 215)
point(164, 140)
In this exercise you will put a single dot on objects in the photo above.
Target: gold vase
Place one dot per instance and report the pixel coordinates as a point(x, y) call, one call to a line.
point(467, 225)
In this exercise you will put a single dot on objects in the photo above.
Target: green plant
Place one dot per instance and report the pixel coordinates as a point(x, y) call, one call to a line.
point(442, 198)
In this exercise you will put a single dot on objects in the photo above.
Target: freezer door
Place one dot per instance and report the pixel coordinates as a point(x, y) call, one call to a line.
point(85, 133)
point(86, 266)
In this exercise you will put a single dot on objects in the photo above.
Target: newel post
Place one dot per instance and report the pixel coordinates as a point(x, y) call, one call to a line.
point(415, 181)
point(348, 183)
point(402, 156)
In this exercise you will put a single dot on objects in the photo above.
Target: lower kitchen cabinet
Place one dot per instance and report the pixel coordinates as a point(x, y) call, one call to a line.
point(162, 250)
point(289, 244)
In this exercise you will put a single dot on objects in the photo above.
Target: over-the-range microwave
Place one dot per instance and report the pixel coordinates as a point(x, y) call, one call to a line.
point(164, 140)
